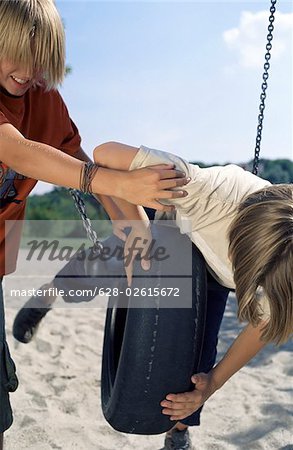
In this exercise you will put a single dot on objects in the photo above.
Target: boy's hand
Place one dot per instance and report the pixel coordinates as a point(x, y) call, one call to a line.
point(118, 227)
point(149, 185)
point(137, 243)
point(180, 406)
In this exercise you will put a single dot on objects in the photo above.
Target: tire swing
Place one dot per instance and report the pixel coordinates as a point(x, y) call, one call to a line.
point(149, 349)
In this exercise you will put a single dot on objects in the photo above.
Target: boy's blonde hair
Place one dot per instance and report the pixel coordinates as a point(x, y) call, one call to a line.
point(32, 35)
point(261, 250)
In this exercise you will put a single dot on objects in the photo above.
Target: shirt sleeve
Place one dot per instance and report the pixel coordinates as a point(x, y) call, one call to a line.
point(150, 157)
point(3, 118)
point(71, 141)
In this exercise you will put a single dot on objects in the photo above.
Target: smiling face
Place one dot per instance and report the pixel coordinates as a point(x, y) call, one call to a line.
point(32, 45)
point(15, 79)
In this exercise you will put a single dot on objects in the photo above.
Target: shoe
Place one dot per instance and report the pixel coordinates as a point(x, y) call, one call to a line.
point(28, 318)
point(178, 440)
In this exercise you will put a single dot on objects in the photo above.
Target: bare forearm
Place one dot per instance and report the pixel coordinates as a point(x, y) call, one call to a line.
point(110, 206)
point(43, 162)
point(116, 208)
point(40, 161)
point(129, 211)
point(244, 348)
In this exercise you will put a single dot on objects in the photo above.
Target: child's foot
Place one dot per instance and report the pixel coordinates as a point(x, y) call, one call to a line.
point(29, 317)
point(178, 440)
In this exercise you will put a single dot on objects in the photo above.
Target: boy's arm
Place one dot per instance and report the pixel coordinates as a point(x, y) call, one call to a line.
point(119, 157)
point(43, 162)
point(111, 208)
point(243, 349)
point(116, 208)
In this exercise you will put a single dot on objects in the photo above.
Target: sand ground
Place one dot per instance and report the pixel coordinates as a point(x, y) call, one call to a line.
point(57, 405)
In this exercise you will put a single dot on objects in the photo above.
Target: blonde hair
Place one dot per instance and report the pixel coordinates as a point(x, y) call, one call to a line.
point(32, 34)
point(261, 250)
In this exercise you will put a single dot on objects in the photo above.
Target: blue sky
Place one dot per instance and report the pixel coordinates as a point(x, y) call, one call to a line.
point(182, 77)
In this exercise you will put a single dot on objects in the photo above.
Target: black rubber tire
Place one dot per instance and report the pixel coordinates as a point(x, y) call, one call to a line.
point(148, 353)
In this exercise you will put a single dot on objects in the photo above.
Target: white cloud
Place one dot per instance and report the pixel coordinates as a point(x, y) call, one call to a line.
point(249, 38)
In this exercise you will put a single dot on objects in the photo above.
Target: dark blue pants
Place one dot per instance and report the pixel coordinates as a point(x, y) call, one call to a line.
point(216, 302)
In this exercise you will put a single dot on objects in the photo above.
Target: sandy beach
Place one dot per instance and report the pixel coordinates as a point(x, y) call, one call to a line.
point(57, 405)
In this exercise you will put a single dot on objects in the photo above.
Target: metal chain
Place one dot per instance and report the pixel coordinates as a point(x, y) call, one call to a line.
point(91, 234)
point(264, 87)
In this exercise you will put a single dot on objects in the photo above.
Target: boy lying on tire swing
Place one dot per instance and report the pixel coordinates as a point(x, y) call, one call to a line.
point(243, 226)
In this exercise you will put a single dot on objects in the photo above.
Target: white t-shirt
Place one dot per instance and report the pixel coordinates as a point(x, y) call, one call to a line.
point(214, 195)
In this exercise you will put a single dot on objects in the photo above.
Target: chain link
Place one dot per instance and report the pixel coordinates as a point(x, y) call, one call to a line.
point(264, 87)
point(91, 234)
